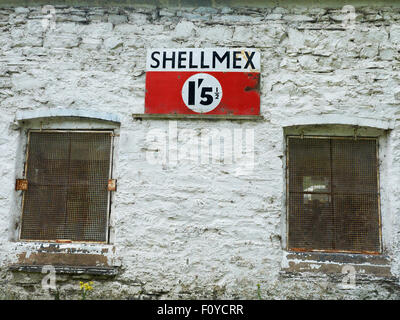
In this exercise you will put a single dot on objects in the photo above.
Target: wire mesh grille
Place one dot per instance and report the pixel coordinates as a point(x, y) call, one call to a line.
point(333, 194)
point(67, 197)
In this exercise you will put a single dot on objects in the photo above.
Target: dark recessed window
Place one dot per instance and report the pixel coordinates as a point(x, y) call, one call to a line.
point(67, 196)
point(333, 194)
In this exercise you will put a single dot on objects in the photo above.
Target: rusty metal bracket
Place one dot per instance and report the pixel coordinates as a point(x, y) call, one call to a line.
point(112, 185)
point(21, 184)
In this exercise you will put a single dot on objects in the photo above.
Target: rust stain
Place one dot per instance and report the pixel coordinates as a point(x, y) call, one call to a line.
point(334, 251)
point(63, 241)
point(256, 87)
point(68, 259)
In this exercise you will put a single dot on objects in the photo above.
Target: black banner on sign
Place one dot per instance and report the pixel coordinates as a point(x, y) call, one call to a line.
point(197, 309)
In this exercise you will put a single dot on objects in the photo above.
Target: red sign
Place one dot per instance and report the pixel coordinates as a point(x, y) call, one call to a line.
point(203, 81)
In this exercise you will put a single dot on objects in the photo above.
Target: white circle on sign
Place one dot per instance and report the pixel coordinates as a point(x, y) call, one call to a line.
point(202, 92)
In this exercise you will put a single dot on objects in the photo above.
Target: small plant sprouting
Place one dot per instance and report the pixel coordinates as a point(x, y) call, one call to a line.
point(85, 288)
point(259, 291)
point(56, 294)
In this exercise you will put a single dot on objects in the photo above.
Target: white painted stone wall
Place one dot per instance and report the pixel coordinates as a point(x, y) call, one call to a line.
point(192, 229)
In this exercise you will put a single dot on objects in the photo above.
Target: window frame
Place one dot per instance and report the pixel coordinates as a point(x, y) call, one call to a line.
point(109, 193)
point(379, 193)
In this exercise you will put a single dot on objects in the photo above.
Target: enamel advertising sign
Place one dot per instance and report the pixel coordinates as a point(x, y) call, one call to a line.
point(203, 81)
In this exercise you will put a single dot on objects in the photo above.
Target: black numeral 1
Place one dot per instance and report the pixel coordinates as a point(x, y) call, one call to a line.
point(192, 88)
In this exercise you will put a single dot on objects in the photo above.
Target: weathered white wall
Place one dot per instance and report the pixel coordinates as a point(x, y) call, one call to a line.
point(195, 230)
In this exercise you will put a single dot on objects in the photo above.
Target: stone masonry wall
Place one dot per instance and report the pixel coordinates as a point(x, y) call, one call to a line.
point(191, 229)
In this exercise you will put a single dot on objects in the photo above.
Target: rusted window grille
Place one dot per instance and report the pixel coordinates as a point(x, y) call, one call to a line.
point(67, 196)
point(333, 195)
